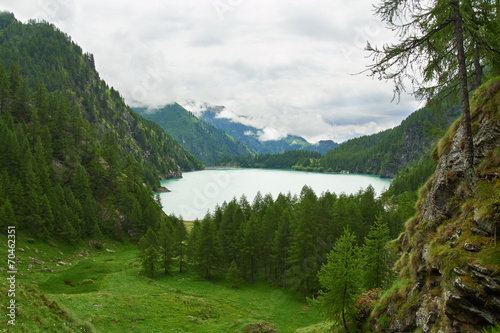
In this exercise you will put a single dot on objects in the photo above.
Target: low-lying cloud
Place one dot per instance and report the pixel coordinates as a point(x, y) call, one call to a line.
point(284, 66)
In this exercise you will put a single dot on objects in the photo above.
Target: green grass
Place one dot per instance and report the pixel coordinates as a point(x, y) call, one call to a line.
point(104, 291)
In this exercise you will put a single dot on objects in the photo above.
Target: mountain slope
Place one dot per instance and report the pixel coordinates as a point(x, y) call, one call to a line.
point(322, 147)
point(75, 161)
point(249, 136)
point(204, 141)
point(449, 265)
point(46, 56)
point(387, 152)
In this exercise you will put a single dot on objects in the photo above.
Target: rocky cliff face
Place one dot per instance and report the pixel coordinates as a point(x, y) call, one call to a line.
point(449, 265)
point(415, 142)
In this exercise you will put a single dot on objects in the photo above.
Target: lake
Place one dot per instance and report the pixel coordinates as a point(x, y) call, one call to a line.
point(198, 192)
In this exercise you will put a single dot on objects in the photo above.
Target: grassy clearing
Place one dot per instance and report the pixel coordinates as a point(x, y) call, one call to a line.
point(103, 291)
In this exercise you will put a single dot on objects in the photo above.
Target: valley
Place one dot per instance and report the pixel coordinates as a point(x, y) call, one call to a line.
point(99, 287)
point(395, 231)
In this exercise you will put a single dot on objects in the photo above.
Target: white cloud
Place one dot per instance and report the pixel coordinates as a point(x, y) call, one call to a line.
point(284, 64)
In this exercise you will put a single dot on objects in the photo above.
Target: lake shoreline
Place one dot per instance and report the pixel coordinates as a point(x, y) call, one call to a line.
point(199, 192)
point(343, 172)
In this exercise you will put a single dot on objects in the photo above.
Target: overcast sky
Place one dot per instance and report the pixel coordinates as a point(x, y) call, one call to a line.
point(285, 64)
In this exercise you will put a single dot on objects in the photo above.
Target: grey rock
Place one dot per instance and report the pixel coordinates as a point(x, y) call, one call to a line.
point(481, 269)
point(472, 247)
point(488, 283)
point(459, 271)
point(481, 232)
point(462, 286)
point(484, 223)
point(495, 302)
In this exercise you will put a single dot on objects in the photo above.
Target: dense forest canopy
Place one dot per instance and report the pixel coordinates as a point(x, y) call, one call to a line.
point(284, 240)
point(76, 162)
point(203, 140)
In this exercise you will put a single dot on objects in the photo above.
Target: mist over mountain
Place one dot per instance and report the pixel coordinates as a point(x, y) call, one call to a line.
point(260, 140)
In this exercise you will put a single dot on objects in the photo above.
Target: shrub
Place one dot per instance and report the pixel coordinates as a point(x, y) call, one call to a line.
point(365, 304)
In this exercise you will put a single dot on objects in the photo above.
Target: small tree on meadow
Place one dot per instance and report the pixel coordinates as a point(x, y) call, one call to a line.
point(165, 244)
point(234, 275)
point(149, 255)
point(340, 279)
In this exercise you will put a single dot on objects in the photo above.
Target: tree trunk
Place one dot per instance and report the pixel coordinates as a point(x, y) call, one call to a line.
point(464, 98)
point(343, 309)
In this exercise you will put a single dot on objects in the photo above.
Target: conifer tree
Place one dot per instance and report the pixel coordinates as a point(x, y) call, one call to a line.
point(250, 246)
point(304, 240)
point(432, 52)
point(193, 242)
point(377, 270)
point(166, 244)
point(7, 216)
point(234, 275)
point(207, 252)
point(340, 279)
point(181, 236)
point(281, 245)
point(149, 252)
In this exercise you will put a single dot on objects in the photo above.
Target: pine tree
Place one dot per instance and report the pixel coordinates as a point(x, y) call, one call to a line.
point(340, 278)
point(250, 246)
point(7, 216)
point(304, 263)
point(207, 252)
point(166, 244)
point(439, 41)
point(234, 275)
point(181, 236)
point(377, 270)
point(281, 245)
point(149, 252)
point(193, 242)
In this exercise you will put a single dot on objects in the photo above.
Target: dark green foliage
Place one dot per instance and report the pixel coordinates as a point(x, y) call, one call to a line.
point(234, 275)
point(166, 244)
point(180, 237)
point(284, 160)
point(201, 139)
point(7, 216)
point(340, 279)
point(387, 152)
point(150, 252)
point(75, 161)
point(206, 255)
point(287, 240)
point(377, 271)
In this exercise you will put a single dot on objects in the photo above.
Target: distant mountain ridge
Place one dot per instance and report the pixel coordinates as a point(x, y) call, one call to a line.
point(203, 140)
point(251, 136)
point(387, 152)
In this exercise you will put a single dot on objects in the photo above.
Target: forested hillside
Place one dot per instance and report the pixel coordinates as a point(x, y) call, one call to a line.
point(393, 152)
point(284, 160)
point(389, 151)
point(203, 140)
point(75, 161)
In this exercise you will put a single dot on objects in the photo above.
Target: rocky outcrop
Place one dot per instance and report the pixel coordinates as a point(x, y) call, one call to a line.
point(415, 142)
point(449, 269)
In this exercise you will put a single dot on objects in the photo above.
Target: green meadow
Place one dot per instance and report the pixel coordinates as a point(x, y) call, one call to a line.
point(101, 290)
